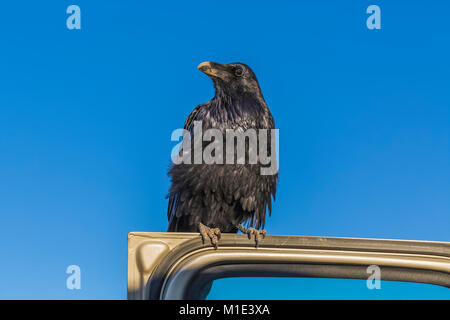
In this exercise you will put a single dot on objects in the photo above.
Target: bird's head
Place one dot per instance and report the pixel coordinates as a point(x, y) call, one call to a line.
point(234, 79)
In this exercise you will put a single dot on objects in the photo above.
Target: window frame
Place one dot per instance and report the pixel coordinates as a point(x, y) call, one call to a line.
point(172, 266)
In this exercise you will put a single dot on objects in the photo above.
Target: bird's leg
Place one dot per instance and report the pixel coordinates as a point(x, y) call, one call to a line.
point(212, 233)
point(259, 234)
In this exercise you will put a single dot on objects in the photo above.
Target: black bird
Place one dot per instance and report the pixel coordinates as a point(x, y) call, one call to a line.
point(215, 198)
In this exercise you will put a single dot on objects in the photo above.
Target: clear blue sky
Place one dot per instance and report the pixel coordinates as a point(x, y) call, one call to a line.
point(86, 117)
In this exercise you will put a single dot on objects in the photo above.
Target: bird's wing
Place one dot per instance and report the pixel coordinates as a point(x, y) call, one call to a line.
point(193, 116)
point(175, 209)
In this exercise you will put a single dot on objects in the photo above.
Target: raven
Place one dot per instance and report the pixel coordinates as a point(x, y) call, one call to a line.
point(221, 197)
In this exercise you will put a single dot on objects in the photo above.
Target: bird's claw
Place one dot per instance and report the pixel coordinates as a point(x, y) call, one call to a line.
point(213, 234)
point(258, 234)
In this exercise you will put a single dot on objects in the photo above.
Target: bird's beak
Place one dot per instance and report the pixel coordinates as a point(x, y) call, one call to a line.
point(212, 69)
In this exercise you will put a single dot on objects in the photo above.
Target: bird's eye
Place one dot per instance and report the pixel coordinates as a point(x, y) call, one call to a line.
point(238, 72)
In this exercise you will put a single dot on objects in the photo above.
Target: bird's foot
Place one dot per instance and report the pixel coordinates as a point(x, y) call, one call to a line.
point(258, 234)
point(213, 234)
